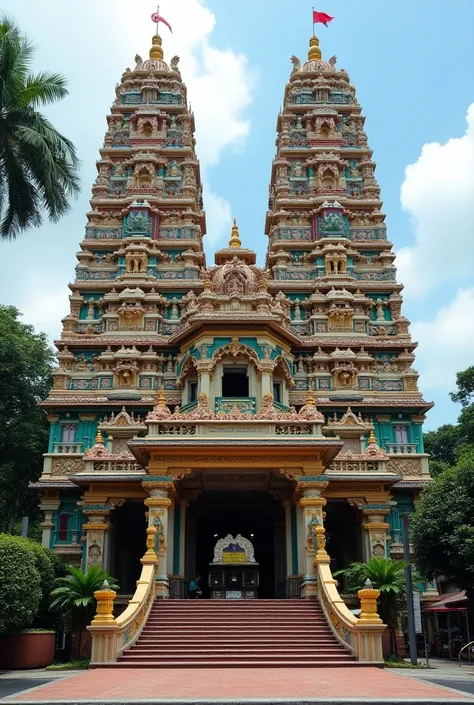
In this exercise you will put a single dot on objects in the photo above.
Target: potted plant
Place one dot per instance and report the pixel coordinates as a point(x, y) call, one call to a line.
point(74, 595)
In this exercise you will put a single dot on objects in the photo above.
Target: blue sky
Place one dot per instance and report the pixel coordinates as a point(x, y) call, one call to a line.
point(411, 63)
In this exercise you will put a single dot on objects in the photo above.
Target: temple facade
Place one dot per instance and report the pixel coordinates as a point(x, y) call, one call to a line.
point(277, 402)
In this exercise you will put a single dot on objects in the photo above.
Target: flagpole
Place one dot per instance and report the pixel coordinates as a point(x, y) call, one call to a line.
point(313, 22)
point(158, 22)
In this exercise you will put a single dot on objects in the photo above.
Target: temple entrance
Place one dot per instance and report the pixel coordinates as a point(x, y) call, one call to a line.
point(256, 516)
point(128, 544)
point(343, 534)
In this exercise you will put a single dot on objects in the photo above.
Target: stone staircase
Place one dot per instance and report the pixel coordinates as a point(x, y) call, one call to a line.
point(227, 633)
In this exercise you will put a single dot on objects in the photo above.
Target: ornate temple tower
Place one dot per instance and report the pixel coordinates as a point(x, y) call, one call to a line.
point(185, 397)
point(142, 252)
point(329, 253)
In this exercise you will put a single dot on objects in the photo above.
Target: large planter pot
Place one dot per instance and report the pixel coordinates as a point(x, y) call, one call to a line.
point(401, 650)
point(26, 650)
point(81, 644)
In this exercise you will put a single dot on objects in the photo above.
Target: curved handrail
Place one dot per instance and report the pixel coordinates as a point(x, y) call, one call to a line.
point(110, 636)
point(341, 619)
point(132, 619)
point(466, 646)
point(363, 636)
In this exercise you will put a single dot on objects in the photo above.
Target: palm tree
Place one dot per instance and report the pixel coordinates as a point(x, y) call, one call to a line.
point(38, 165)
point(388, 576)
point(74, 595)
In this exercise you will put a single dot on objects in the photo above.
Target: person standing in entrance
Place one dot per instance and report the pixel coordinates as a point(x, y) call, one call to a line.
point(194, 588)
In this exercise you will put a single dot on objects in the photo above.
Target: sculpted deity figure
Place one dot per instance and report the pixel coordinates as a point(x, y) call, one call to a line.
point(380, 310)
point(91, 308)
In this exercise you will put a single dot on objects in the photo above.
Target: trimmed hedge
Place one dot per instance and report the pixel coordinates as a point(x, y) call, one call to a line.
point(20, 584)
point(19, 576)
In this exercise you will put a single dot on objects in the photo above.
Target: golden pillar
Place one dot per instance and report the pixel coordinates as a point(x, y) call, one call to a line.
point(312, 505)
point(105, 606)
point(160, 488)
point(368, 604)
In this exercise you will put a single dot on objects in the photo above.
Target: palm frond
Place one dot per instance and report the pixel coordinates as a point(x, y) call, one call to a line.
point(38, 165)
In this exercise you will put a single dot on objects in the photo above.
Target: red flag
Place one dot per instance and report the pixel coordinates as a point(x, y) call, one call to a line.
point(321, 17)
point(158, 18)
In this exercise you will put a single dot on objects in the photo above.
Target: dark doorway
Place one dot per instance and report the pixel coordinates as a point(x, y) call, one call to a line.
point(256, 516)
point(235, 382)
point(129, 544)
point(343, 532)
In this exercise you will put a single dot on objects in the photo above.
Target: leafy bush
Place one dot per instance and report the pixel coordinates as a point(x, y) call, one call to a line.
point(20, 584)
point(47, 575)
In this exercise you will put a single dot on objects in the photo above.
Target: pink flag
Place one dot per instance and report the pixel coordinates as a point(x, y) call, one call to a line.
point(322, 17)
point(158, 18)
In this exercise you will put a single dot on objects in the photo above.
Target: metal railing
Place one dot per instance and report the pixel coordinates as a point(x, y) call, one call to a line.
point(290, 589)
point(177, 588)
point(466, 646)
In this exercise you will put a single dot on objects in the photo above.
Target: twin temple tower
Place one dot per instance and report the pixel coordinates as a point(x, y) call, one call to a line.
point(278, 402)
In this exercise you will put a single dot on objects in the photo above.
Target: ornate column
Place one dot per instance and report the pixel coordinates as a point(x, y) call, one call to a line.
point(204, 370)
point(288, 537)
point(159, 488)
point(96, 530)
point(375, 543)
point(183, 505)
point(48, 506)
point(312, 528)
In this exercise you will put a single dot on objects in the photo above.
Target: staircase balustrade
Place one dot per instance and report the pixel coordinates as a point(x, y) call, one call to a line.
point(363, 635)
point(111, 635)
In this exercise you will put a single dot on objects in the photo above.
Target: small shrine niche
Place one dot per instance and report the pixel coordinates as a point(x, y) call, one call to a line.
point(233, 573)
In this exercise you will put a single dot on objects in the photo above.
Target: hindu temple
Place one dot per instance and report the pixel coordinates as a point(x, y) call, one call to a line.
point(270, 410)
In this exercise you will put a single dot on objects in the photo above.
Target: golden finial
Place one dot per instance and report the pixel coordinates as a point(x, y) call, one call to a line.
point(314, 53)
point(156, 51)
point(310, 399)
point(372, 439)
point(234, 241)
point(161, 397)
point(98, 439)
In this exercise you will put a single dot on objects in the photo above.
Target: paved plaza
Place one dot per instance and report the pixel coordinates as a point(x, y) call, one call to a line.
point(351, 685)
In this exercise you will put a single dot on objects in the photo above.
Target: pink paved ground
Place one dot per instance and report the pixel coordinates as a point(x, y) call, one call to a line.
point(202, 683)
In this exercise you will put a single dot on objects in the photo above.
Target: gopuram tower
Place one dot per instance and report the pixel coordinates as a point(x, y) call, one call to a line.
point(194, 404)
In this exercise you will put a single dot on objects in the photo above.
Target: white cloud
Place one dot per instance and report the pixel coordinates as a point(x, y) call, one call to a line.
point(446, 342)
point(219, 217)
point(91, 43)
point(438, 193)
point(45, 311)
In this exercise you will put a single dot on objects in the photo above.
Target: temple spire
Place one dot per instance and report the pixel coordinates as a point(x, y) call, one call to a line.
point(314, 53)
point(235, 241)
point(156, 51)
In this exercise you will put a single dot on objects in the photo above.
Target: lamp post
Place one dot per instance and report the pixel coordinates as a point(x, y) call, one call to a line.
point(409, 591)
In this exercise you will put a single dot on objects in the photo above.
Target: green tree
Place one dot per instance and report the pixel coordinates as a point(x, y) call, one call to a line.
point(20, 584)
point(38, 165)
point(388, 576)
point(25, 378)
point(443, 527)
point(465, 387)
point(443, 447)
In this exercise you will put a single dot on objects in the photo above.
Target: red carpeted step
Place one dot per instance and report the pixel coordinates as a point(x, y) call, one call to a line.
point(220, 633)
